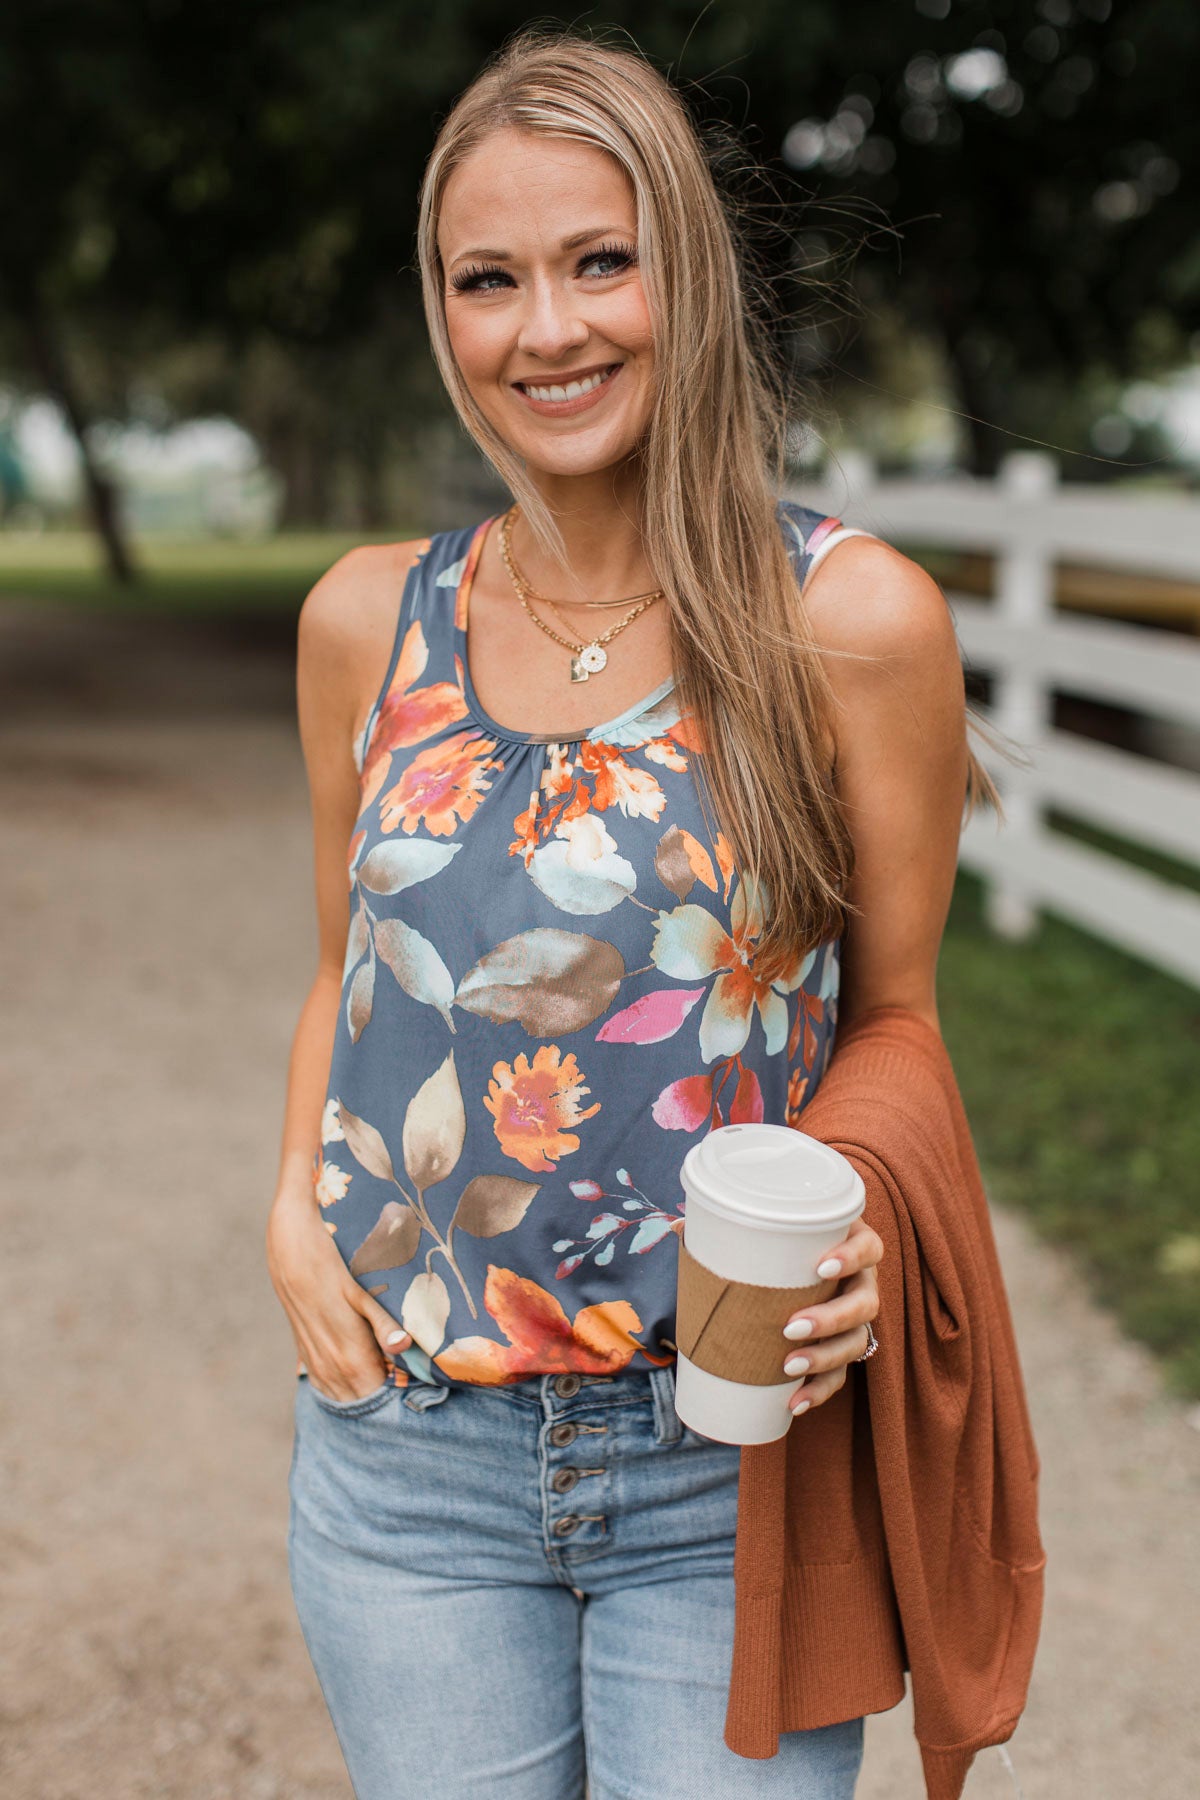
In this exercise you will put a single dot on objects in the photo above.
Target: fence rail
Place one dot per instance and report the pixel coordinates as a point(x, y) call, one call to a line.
point(1031, 651)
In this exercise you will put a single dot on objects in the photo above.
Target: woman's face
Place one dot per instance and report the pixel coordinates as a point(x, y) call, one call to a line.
point(543, 294)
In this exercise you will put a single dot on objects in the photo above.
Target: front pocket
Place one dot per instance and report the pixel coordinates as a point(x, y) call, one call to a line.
point(368, 1403)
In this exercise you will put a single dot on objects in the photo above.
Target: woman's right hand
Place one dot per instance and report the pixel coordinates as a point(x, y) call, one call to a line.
point(341, 1333)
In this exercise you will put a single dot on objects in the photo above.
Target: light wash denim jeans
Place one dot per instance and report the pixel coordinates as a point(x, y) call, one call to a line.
point(508, 1593)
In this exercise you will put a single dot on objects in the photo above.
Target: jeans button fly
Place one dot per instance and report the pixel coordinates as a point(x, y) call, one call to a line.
point(567, 1385)
point(564, 1480)
point(562, 1435)
point(564, 1527)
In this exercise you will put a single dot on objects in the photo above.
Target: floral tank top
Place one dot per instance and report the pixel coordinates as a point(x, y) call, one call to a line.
point(549, 995)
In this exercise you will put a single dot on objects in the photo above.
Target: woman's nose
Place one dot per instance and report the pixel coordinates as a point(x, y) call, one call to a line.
point(552, 325)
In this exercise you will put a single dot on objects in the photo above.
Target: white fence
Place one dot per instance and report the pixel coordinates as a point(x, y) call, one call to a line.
point(1030, 649)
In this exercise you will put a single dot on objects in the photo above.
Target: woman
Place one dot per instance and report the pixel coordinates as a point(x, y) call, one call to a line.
point(512, 1564)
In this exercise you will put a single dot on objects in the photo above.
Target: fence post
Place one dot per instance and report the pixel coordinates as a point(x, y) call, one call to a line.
point(1021, 699)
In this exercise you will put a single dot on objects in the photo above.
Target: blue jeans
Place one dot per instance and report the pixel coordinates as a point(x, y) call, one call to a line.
point(510, 1592)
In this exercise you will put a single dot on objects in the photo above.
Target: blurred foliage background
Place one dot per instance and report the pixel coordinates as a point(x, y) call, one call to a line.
point(987, 206)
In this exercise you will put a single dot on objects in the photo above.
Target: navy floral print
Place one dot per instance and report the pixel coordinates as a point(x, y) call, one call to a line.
point(549, 995)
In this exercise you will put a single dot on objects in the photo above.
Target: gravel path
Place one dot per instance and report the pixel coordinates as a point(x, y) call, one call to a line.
point(156, 894)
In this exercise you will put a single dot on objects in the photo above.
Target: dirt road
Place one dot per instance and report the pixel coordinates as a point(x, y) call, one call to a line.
point(158, 933)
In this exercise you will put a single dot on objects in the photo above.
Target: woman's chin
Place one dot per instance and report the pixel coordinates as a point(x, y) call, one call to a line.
point(566, 459)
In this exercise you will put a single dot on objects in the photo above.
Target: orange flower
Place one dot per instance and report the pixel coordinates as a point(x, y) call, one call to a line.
point(548, 806)
point(533, 1103)
point(598, 1341)
point(442, 786)
point(616, 782)
point(409, 713)
point(797, 1086)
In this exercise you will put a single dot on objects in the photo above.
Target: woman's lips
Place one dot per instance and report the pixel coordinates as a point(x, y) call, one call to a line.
point(565, 409)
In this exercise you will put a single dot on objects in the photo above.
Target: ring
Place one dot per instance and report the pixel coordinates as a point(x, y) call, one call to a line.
point(872, 1345)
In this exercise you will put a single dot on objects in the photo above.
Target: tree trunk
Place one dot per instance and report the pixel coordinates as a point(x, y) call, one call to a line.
point(975, 398)
point(372, 502)
point(50, 361)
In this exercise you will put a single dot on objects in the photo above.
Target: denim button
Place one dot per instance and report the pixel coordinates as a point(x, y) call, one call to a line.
point(567, 1385)
point(562, 1435)
point(564, 1527)
point(564, 1480)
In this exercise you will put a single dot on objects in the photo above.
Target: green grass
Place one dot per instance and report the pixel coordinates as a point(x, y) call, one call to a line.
point(1078, 1066)
point(180, 575)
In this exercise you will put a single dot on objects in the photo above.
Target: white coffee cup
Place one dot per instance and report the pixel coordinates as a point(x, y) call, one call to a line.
point(764, 1205)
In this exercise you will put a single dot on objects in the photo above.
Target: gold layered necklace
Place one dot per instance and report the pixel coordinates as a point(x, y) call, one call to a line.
point(587, 659)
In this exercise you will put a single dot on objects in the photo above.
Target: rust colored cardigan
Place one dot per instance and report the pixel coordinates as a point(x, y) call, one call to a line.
point(895, 1526)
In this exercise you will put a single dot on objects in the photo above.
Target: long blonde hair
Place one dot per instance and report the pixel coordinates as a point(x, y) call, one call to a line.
point(712, 463)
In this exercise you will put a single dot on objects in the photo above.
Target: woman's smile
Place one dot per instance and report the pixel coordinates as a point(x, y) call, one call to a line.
point(570, 393)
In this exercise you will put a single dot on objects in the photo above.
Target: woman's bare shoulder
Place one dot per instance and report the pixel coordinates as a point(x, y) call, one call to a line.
point(886, 635)
point(356, 603)
point(867, 597)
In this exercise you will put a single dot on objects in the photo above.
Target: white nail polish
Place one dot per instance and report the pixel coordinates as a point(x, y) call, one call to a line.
point(795, 1365)
point(801, 1329)
point(396, 1337)
point(829, 1268)
point(803, 1406)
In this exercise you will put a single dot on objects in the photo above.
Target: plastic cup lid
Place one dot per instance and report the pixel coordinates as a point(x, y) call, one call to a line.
point(772, 1175)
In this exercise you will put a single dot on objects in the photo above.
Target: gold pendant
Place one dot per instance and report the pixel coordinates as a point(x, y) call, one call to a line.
point(593, 658)
point(578, 672)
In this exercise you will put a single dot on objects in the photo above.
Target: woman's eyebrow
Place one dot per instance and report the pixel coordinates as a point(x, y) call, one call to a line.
point(569, 243)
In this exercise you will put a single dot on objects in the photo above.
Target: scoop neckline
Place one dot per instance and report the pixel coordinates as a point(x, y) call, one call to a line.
point(462, 608)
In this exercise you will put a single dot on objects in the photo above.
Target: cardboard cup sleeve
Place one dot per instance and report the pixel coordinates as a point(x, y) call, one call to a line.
point(734, 1329)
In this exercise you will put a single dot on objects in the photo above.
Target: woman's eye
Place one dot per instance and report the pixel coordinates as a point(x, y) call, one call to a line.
point(468, 280)
point(487, 280)
point(611, 254)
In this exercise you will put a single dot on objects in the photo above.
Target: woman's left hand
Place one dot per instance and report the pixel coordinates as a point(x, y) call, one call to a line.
point(838, 1334)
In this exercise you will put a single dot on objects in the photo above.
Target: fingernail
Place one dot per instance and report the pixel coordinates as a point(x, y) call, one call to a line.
point(799, 1328)
point(397, 1337)
point(829, 1268)
point(795, 1365)
point(801, 1407)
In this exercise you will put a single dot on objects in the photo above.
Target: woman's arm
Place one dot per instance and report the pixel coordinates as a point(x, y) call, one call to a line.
point(344, 642)
point(901, 773)
point(901, 766)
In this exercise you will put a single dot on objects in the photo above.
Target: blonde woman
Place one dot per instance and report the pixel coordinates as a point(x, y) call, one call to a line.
point(620, 797)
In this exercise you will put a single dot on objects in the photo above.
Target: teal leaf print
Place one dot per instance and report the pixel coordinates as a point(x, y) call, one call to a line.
point(550, 981)
point(453, 575)
point(649, 1233)
point(416, 965)
point(491, 1204)
point(649, 1227)
point(603, 1223)
point(580, 870)
point(391, 1242)
point(435, 1127)
point(392, 867)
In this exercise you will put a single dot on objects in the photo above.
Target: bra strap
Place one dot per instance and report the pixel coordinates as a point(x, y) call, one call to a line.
point(827, 540)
